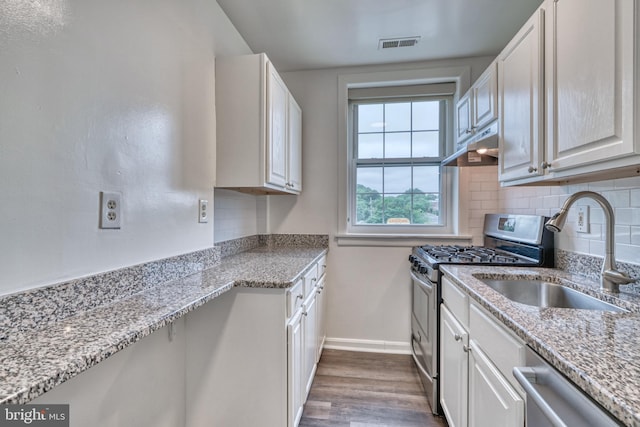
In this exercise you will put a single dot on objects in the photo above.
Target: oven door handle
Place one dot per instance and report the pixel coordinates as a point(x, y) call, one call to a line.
point(428, 286)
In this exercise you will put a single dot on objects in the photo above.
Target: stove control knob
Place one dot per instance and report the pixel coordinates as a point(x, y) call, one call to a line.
point(411, 258)
point(423, 269)
point(416, 262)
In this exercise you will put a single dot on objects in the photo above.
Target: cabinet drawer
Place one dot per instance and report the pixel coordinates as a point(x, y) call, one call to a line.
point(456, 301)
point(310, 279)
point(503, 348)
point(322, 266)
point(295, 297)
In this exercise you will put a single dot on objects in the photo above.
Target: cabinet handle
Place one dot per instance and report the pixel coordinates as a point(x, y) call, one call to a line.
point(299, 296)
point(545, 165)
point(320, 288)
point(314, 279)
point(468, 131)
point(532, 169)
point(466, 348)
point(304, 313)
point(457, 337)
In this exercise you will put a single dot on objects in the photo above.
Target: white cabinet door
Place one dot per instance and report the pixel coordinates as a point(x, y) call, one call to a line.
point(492, 400)
point(294, 145)
point(463, 118)
point(520, 92)
point(454, 369)
point(296, 384)
point(589, 81)
point(309, 323)
point(320, 328)
point(278, 101)
point(485, 97)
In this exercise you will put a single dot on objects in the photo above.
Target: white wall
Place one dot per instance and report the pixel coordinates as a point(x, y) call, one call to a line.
point(115, 96)
point(624, 196)
point(368, 287)
point(238, 215)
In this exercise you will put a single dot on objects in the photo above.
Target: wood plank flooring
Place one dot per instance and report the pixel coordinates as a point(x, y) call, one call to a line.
point(353, 389)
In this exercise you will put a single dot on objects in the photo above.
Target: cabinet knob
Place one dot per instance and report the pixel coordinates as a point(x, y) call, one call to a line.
point(457, 337)
point(314, 279)
point(532, 169)
point(545, 165)
point(304, 313)
point(466, 348)
point(468, 131)
point(299, 296)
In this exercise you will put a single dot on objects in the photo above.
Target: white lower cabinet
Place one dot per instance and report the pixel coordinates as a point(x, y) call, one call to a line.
point(492, 400)
point(310, 333)
point(296, 385)
point(455, 369)
point(477, 356)
point(252, 355)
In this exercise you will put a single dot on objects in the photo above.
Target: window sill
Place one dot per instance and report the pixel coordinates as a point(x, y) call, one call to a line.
point(401, 240)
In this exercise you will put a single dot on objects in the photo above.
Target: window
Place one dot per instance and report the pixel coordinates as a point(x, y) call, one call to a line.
point(398, 145)
point(392, 190)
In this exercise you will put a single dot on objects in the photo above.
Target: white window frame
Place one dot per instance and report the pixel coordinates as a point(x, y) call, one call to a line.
point(397, 235)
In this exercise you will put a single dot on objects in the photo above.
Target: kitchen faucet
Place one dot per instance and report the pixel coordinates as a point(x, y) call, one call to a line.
point(611, 278)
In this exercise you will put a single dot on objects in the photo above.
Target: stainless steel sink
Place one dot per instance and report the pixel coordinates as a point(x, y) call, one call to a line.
point(539, 293)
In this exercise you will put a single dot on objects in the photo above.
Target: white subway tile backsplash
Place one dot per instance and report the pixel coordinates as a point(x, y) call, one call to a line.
point(596, 247)
point(635, 237)
point(623, 234)
point(623, 194)
point(618, 198)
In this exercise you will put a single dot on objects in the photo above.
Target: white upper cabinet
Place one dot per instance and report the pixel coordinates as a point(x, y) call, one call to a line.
point(520, 93)
point(589, 116)
point(484, 99)
point(294, 159)
point(463, 118)
point(259, 128)
point(478, 106)
point(590, 82)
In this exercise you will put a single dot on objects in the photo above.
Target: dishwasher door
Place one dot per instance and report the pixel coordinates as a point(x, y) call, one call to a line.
point(552, 400)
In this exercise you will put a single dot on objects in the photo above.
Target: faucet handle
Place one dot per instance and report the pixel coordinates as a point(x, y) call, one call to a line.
point(618, 277)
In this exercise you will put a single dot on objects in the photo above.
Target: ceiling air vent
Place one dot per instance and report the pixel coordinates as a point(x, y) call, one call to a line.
point(398, 42)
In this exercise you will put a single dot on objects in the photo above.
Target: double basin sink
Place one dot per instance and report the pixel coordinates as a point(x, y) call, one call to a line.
point(541, 293)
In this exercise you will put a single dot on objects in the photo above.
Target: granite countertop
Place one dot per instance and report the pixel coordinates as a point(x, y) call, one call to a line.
point(599, 351)
point(34, 361)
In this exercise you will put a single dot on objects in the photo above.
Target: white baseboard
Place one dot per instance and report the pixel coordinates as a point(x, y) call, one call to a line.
point(370, 346)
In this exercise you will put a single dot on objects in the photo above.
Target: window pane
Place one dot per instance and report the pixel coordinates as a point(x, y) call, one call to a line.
point(397, 145)
point(370, 146)
point(397, 117)
point(426, 179)
point(426, 208)
point(369, 208)
point(397, 208)
point(369, 180)
point(397, 179)
point(426, 144)
point(426, 115)
point(370, 118)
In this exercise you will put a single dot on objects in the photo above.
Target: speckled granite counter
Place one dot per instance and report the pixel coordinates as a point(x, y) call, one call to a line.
point(35, 360)
point(599, 351)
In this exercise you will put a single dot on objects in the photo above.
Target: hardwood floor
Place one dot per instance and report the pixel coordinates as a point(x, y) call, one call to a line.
point(367, 390)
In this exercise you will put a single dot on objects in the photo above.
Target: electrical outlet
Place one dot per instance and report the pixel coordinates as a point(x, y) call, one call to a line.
point(110, 210)
point(203, 211)
point(582, 225)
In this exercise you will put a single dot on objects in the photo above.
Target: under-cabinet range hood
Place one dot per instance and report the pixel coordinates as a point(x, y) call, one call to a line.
point(480, 150)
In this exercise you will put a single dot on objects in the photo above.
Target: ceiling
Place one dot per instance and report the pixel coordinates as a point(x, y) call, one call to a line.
point(311, 34)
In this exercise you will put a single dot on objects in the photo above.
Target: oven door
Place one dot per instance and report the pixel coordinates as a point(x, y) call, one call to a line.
point(424, 338)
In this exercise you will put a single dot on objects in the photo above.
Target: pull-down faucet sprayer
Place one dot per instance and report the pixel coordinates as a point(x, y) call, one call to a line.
point(611, 278)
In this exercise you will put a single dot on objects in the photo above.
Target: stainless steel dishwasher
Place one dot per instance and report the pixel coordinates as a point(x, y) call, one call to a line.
point(552, 400)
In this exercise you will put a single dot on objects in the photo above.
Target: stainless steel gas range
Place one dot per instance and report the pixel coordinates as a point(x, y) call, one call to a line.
point(514, 240)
